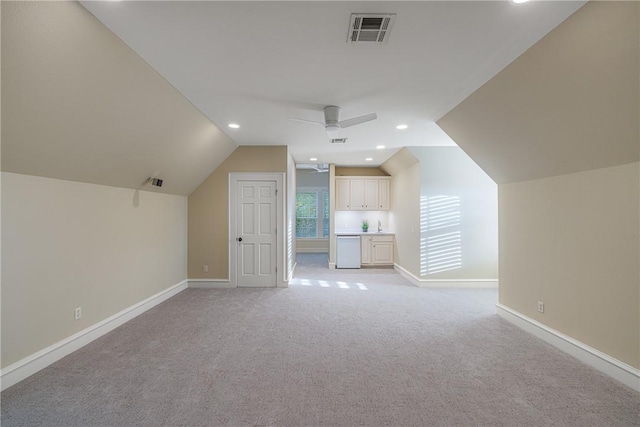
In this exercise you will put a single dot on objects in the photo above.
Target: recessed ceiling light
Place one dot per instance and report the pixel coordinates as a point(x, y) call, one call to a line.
point(233, 125)
point(368, 159)
point(519, 1)
point(314, 159)
point(402, 127)
point(379, 147)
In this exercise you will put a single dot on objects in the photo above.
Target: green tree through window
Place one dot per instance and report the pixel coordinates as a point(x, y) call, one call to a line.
point(307, 214)
point(312, 213)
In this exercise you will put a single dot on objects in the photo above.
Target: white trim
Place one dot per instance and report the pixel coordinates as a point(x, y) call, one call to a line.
point(35, 362)
point(319, 208)
point(445, 283)
point(332, 266)
point(210, 283)
point(626, 374)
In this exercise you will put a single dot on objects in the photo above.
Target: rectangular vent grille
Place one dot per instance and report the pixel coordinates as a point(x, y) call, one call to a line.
point(368, 27)
point(338, 140)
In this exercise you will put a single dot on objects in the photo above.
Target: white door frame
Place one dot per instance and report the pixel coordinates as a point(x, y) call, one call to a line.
point(234, 177)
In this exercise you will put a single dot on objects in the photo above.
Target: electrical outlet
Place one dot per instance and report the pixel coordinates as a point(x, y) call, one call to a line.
point(77, 313)
point(540, 307)
point(205, 268)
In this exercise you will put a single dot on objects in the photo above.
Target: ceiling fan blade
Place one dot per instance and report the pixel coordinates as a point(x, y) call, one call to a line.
point(357, 120)
point(306, 121)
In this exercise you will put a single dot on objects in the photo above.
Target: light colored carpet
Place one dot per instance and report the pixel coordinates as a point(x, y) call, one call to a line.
point(338, 348)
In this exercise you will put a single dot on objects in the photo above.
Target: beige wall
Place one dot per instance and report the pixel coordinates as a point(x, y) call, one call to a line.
point(418, 175)
point(312, 245)
point(570, 103)
point(358, 171)
point(559, 130)
point(209, 209)
point(404, 217)
point(78, 104)
point(448, 175)
point(572, 241)
point(67, 244)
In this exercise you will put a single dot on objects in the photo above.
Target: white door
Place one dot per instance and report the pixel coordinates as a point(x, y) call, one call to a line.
point(256, 224)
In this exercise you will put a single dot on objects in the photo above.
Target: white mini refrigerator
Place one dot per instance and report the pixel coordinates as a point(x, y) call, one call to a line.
point(348, 252)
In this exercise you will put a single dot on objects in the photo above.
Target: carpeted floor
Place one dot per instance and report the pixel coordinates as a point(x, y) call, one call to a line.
point(338, 348)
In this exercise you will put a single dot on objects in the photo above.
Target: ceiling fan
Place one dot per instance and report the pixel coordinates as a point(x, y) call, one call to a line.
point(332, 122)
point(320, 169)
point(314, 168)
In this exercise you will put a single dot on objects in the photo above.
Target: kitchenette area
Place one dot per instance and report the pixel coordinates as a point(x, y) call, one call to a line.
point(361, 222)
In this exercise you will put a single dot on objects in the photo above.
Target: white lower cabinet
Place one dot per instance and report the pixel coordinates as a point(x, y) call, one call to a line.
point(376, 250)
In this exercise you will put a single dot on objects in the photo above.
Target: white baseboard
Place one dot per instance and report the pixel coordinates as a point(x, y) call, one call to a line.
point(223, 284)
point(626, 374)
point(28, 366)
point(332, 266)
point(210, 283)
point(445, 283)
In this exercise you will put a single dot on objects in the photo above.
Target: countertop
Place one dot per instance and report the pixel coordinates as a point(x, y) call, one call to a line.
point(363, 233)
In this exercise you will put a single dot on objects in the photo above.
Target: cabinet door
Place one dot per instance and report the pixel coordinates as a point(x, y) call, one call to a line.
point(371, 194)
point(382, 249)
point(365, 250)
point(382, 253)
point(343, 194)
point(357, 194)
point(383, 195)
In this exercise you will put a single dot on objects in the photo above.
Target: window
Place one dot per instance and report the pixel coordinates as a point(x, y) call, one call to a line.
point(312, 213)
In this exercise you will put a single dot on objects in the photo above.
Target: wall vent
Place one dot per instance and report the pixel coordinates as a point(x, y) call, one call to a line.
point(338, 140)
point(370, 27)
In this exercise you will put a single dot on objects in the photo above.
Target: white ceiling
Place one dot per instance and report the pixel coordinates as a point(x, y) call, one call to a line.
point(260, 63)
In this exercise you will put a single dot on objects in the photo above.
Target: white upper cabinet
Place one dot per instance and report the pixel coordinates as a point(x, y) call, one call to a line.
point(371, 195)
point(357, 194)
point(362, 193)
point(383, 194)
point(343, 194)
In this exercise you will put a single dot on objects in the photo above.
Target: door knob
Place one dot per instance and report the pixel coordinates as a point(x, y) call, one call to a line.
point(239, 239)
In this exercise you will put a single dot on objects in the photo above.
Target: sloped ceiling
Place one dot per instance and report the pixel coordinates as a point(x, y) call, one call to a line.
point(400, 161)
point(570, 103)
point(259, 63)
point(78, 104)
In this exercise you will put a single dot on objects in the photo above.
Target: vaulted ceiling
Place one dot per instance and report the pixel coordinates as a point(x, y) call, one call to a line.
point(571, 103)
point(79, 105)
point(149, 87)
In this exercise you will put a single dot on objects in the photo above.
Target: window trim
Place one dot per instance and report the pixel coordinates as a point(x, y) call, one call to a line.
point(320, 210)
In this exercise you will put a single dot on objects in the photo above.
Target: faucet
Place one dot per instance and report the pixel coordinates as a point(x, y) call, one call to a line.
point(379, 226)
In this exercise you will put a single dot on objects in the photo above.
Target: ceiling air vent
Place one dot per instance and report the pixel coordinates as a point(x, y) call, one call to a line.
point(338, 140)
point(370, 27)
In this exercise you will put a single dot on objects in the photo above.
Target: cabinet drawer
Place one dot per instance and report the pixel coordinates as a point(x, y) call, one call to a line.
point(382, 239)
